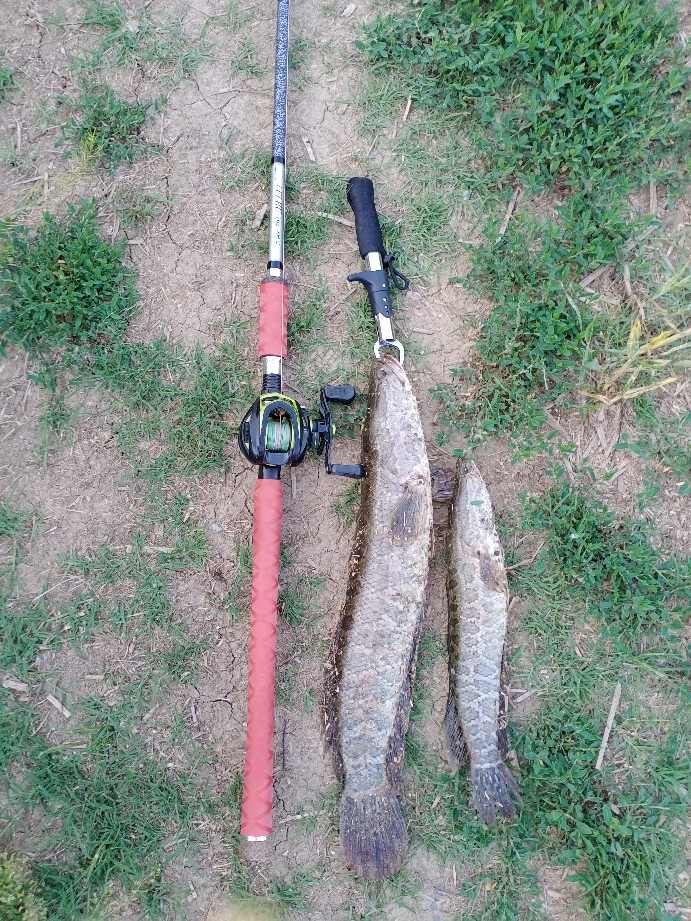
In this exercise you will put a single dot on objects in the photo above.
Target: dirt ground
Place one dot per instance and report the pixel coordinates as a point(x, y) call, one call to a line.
point(188, 280)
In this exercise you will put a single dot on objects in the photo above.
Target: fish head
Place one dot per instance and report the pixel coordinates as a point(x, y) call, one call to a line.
point(394, 434)
point(473, 499)
point(467, 468)
point(389, 374)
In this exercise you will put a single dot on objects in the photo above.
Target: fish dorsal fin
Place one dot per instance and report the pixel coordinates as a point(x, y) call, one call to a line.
point(409, 515)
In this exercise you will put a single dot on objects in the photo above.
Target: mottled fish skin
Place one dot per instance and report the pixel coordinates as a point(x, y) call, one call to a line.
point(369, 677)
point(478, 608)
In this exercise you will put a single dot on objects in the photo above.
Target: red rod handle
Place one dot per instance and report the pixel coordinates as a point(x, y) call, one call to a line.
point(257, 796)
point(273, 318)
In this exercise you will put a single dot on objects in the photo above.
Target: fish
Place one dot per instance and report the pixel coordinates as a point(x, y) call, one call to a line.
point(369, 677)
point(478, 594)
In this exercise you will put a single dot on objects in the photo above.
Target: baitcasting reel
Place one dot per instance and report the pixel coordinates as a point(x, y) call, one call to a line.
point(277, 431)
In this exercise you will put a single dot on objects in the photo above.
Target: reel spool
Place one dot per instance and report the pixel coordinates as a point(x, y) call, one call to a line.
point(276, 431)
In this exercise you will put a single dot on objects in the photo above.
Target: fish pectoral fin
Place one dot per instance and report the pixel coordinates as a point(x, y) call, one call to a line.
point(409, 516)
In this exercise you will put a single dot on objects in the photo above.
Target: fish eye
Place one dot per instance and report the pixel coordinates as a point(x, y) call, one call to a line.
point(382, 373)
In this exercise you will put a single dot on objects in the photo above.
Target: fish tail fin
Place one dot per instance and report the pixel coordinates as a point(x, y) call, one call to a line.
point(373, 833)
point(492, 790)
point(453, 733)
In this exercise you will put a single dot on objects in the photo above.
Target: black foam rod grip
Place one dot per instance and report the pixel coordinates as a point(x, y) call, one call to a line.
point(361, 200)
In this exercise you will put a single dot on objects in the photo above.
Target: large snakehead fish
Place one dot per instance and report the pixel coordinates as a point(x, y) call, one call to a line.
point(478, 592)
point(369, 678)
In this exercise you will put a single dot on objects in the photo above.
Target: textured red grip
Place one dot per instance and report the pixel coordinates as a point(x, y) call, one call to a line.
point(273, 319)
point(257, 793)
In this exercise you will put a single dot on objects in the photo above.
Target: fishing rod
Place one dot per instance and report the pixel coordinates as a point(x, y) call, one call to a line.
point(275, 432)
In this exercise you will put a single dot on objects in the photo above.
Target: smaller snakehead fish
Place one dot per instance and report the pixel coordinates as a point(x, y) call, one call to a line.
point(478, 593)
point(368, 682)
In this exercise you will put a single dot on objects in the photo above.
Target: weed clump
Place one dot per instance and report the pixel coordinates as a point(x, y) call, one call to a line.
point(596, 84)
point(108, 128)
point(140, 39)
point(62, 285)
point(110, 807)
point(12, 523)
point(136, 208)
point(610, 564)
point(19, 899)
point(620, 832)
point(6, 80)
point(345, 506)
point(542, 339)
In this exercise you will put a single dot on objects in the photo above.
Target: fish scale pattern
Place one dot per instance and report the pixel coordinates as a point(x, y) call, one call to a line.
point(478, 602)
point(266, 551)
point(369, 680)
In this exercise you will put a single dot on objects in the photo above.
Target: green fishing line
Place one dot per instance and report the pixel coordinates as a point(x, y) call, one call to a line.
point(278, 435)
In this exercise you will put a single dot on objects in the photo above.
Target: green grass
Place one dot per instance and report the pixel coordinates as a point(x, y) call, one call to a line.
point(19, 900)
point(62, 284)
point(136, 208)
point(574, 92)
point(542, 339)
point(162, 47)
point(24, 162)
point(666, 439)
point(107, 128)
point(232, 19)
point(306, 321)
point(68, 296)
point(245, 62)
point(13, 524)
point(547, 342)
point(127, 590)
point(137, 577)
point(612, 565)
point(175, 406)
point(242, 166)
point(31, 627)
point(345, 507)
point(297, 600)
point(54, 426)
point(6, 81)
point(624, 832)
point(55, 421)
point(311, 193)
point(108, 805)
point(298, 57)
point(562, 99)
point(304, 233)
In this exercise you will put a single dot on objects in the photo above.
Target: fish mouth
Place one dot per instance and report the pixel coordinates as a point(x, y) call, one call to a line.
point(389, 363)
point(469, 468)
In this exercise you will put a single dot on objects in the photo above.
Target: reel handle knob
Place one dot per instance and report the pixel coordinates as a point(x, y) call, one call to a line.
point(354, 471)
point(339, 393)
